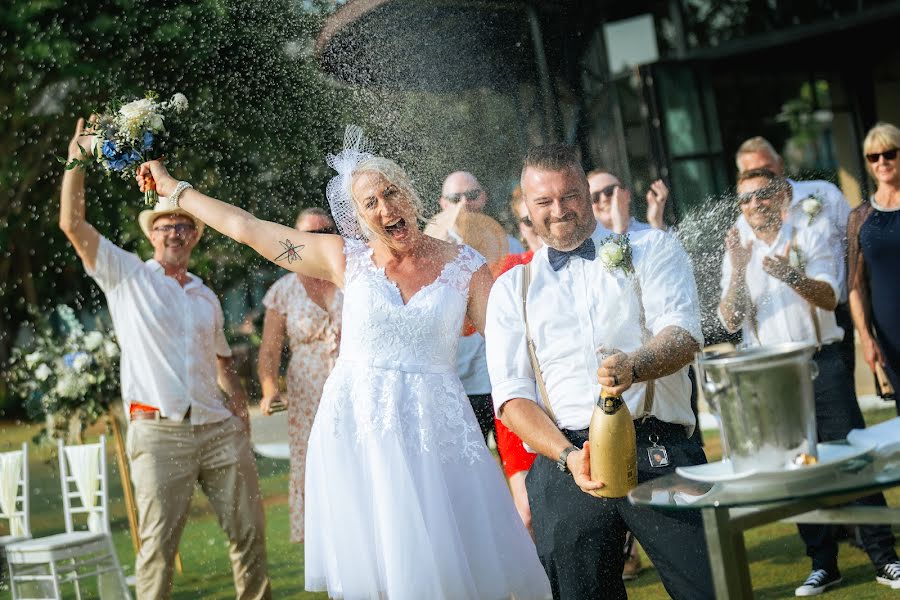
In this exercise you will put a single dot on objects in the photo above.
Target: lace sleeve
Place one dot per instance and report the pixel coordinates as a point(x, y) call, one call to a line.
point(358, 261)
point(856, 264)
point(460, 272)
point(275, 298)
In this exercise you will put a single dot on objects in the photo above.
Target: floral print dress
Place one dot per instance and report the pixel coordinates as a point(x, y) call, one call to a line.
point(313, 336)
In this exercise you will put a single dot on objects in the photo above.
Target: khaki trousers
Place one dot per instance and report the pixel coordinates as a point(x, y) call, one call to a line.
point(167, 458)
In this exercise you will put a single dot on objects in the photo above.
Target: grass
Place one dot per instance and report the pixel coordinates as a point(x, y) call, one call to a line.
point(778, 561)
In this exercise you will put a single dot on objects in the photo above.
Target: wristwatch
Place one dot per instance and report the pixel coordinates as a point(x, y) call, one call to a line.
point(561, 463)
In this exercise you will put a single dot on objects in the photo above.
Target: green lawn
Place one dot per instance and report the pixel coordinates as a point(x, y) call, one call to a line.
point(778, 563)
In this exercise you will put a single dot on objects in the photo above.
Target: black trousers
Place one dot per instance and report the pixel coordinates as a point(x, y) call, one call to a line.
point(837, 412)
point(579, 537)
point(847, 346)
point(483, 406)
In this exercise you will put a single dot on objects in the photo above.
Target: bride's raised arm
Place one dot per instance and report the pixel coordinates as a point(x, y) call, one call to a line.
point(316, 255)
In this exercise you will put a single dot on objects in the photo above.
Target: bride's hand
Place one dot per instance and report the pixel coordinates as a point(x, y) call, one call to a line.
point(165, 183)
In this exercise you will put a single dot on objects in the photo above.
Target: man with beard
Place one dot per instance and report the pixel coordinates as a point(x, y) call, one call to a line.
point(182, 429)
point(576, 305)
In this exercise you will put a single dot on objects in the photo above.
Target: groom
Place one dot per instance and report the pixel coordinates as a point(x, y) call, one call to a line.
point(182, 430)
point(575, 304)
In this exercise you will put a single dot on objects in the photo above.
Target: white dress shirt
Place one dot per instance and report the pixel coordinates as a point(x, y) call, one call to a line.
point(835, 209)
point(585, 305)
point(782, 315)
point(169, 335)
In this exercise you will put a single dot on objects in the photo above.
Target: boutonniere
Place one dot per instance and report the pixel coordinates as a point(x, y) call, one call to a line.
point(615, 253)
point(812, 206)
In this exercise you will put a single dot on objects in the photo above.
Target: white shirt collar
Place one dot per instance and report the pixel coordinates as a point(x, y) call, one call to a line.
point(193, 280)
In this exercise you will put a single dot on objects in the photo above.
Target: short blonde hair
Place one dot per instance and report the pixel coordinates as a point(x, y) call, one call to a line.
point(395, 175)
point(755, 144)
point(883, 136)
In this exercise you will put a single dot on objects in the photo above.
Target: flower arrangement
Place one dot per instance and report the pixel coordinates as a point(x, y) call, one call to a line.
point(615, 253)
point(127, 134)
point(65, 374)
point(811, 206)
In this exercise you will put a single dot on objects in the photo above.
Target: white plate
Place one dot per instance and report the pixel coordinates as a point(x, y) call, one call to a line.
point(830, 457)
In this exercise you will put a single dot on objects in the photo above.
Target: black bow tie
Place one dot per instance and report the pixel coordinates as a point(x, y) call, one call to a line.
point(559, 258)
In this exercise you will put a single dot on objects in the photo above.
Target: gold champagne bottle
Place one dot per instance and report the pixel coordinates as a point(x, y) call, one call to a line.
point(613, 447)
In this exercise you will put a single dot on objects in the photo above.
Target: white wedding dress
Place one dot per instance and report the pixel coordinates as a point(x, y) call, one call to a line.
point(403, 499)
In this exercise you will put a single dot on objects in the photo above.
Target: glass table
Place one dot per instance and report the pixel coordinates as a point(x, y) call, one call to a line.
point(731, 507)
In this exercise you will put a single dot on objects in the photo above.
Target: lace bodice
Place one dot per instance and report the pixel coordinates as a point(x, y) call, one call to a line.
point(421, 335)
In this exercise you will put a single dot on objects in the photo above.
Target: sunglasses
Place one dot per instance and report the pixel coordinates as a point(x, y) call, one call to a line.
point(887, 154)
point(763, 193)
point(608, 191)
point(471, 196)
point(178, 228)
point(526, 221)
point(322, 230)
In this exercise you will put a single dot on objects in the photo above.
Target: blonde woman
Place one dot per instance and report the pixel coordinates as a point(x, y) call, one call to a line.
point(873, 234)
point(404, 500)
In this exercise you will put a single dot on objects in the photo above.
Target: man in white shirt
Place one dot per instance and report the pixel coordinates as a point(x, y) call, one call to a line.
point(576, 304)
point(463, 187)
point(811, 201)
point(182, 430)
point(611, 203)
point(781, 285)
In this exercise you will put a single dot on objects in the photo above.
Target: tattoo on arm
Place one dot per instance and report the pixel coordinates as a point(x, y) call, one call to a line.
point(291, 251)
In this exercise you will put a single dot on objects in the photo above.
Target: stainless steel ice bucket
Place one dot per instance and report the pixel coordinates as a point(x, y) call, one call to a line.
point(763, 398)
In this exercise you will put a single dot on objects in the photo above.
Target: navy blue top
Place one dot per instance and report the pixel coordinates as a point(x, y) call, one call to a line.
point(879, 239)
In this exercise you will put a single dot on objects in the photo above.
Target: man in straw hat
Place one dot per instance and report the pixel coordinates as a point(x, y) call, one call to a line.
point(460, 220)
point(183, 430)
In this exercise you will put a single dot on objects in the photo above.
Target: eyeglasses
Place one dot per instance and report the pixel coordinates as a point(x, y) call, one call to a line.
point(322, 230)
point(608, 191)
point(178, 228)
point(526, 221)
point(887, 154)
point(763, 193)
point(470, 195)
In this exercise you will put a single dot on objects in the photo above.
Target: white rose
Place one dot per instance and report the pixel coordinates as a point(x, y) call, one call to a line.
point(134, 113)
point(179, 102)
point(32, 359)
point(811, 206)
point(42, 372)
point(93, 340)
point(156, 123)
point(111, 349)
point(611, 254)
point(80, 362)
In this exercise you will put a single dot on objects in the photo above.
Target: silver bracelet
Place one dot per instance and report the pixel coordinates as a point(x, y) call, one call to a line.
point(182, 185)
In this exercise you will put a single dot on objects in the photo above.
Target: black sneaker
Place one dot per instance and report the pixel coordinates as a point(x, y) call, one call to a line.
point(889, 574)
point(819, 581)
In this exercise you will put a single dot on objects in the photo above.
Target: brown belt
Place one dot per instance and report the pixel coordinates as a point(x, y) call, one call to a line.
point(153, 415)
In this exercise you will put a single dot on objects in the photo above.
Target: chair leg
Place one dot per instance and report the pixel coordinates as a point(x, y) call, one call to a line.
point(77, 583)
point(57, 594)
point(126, 593)
point(12, 581)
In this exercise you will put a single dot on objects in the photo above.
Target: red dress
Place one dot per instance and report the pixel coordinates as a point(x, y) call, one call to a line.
point(513, 454)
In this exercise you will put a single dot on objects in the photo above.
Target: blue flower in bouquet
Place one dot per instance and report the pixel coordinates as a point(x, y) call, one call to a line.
point(109, 149)
point(148, 140)
point(77, 360)
point(118, 165)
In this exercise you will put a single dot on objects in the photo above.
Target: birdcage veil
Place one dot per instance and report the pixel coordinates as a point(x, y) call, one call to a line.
point(357, 149)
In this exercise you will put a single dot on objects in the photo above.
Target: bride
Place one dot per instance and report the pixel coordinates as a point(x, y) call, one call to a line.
point(404, 501)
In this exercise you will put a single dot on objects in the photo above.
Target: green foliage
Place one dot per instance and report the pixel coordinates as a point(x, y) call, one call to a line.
point(264, 118)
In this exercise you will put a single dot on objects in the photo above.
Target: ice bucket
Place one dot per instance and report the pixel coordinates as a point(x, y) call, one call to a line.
point(763, 398)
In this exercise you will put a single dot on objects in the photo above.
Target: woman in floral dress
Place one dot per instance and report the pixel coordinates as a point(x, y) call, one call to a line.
point(308, 310)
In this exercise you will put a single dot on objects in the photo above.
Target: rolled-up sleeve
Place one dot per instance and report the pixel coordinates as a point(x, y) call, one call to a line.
point(667, 286)
point(509, 365)
point(113, 265)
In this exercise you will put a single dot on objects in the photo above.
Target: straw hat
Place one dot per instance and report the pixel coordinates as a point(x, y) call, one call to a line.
point(477, 230)
point(163, 208)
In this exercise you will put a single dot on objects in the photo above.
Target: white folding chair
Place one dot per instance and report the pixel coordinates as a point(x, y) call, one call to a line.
point(48, 563)
point(14, 507)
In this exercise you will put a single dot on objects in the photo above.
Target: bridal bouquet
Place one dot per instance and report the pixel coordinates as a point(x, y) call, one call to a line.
point(65, 374)
point(127, 134)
